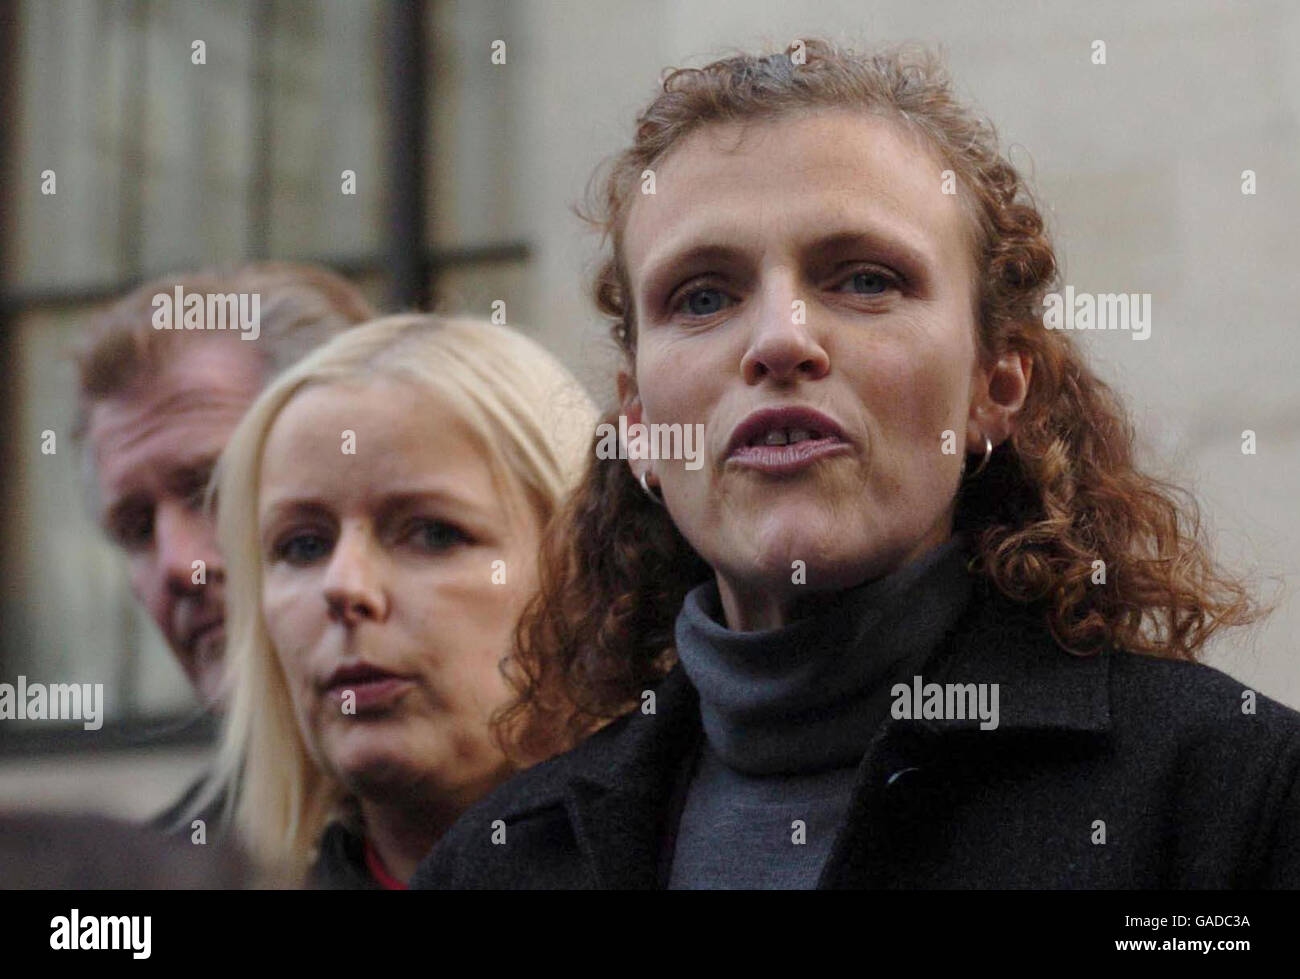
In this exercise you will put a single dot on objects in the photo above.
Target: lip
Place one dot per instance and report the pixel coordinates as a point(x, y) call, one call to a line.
point(785, 458)
point(199, 632)
point(373, 687)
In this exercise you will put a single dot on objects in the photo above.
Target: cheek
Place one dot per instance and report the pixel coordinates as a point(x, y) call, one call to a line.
point(295, 679)
point(916, 397)
point(289, 614)
point(674, 381)
point(468, 624)
point(144, 580)
point(147, 584)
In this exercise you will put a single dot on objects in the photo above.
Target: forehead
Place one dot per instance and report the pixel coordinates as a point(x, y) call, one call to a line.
point(407, 438)
point(797, 177)
point(175, 417)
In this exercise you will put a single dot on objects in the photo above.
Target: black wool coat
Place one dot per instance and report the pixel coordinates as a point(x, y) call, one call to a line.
point(341, 862)
point(1107, 771)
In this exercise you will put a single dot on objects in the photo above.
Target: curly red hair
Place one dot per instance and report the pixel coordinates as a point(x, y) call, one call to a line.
point(1062, 493)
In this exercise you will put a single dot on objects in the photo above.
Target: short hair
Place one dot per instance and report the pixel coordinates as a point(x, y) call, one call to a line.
point(301, 307)
point(534, 422)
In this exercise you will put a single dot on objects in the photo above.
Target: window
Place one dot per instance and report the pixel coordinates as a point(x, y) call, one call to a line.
point(162, 164)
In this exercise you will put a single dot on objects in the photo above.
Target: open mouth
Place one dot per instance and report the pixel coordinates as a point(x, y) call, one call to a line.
point(781, 440)
point(786, 436)
point(362, 687)
point(208, 641)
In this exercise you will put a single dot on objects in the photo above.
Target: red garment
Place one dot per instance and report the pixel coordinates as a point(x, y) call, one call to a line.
point(378, 871)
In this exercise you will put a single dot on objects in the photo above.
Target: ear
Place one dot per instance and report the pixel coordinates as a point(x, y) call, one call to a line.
point(998, 395)
point(628, 398)
point(629, 401)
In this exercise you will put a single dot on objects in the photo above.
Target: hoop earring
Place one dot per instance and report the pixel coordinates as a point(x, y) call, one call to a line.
point(645, 485)
point(988, 454)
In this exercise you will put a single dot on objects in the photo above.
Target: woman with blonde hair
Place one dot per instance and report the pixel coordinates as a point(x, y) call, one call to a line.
point(916, 619)
point(380, 508)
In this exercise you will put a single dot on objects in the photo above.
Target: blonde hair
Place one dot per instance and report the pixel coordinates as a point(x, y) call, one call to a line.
point(524, 407)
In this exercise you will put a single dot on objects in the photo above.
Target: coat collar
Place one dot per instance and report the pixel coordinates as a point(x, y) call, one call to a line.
point(618, 786)
point(996, 640)
point(1041, 686)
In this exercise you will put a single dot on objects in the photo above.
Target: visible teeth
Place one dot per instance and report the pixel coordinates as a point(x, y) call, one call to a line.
point(786, 436)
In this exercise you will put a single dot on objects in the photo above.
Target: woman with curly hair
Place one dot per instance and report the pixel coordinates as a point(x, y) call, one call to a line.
point(842, 652)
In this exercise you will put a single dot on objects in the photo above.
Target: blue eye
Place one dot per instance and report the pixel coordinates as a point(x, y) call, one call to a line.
point(706, 301)
point(302, 548)
point(868, 283)
point(437, 535)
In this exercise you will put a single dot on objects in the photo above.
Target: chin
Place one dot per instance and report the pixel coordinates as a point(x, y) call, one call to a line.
point(210, 686)
point(372, 759)
point(795, 533)
point(833, 559)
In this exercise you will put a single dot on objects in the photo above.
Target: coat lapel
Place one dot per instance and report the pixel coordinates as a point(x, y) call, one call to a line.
point(620, 807)
point(1042, 688)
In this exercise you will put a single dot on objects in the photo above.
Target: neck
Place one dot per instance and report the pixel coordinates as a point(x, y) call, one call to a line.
point(401, 836)
point(754, 606)
point(809, 695)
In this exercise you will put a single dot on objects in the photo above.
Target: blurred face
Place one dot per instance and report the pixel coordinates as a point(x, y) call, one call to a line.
point(154, 448)
point(804, 289)
point(378, 588)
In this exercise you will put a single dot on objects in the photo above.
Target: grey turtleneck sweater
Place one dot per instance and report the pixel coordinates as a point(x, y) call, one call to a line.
point(788, 714)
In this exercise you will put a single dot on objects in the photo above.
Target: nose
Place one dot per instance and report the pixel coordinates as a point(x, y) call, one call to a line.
point(784, 344)
point(353, 587)
point(182, 536)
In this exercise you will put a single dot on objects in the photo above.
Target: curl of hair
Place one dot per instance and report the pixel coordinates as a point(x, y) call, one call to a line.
point(1061, 493)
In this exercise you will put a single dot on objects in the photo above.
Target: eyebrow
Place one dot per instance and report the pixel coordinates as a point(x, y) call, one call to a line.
point(911, 251)
point(687, 249)
point(179, 479)
point(396, 500)
point(195, 471)
point(114, 515)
